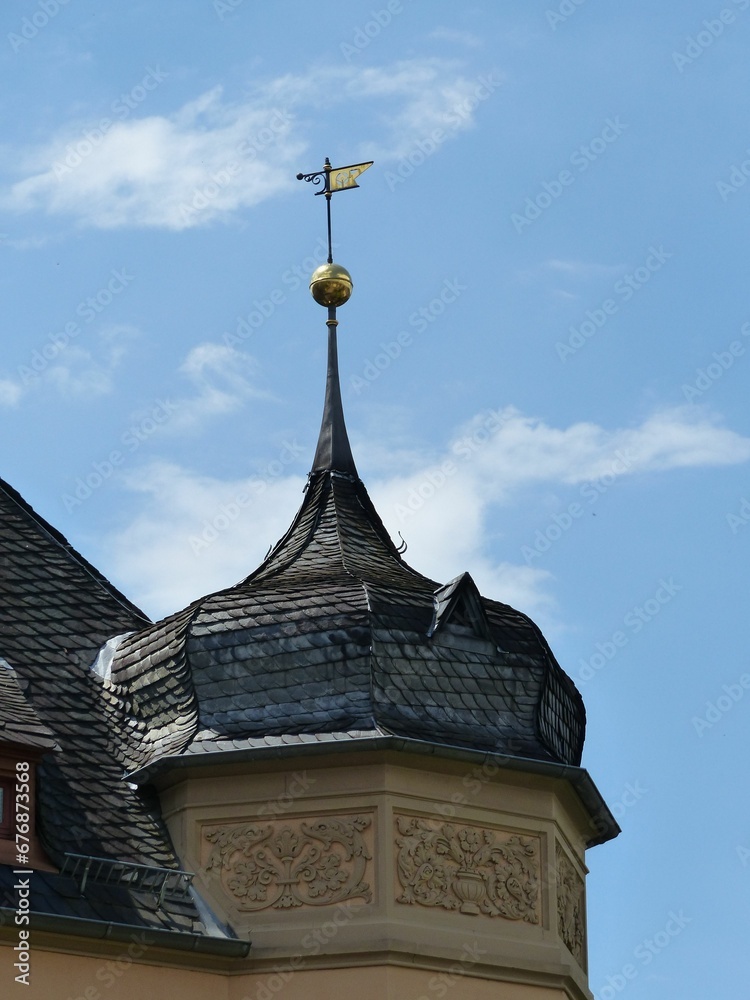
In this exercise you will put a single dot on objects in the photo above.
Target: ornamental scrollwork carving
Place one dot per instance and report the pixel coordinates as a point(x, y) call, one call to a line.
point(292, 864)
point(571, 914)
point(468, 869)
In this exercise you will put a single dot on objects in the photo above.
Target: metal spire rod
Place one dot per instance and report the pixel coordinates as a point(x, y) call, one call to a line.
point(328, 209)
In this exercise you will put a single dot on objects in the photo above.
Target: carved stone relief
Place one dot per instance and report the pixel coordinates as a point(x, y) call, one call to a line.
point(294, 863)
point(571, 912)
point(469, 869)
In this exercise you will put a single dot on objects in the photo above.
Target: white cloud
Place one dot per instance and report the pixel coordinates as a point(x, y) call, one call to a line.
point(222, 379)
point(214, 157)
point(10, 392)
point(196, 534)
point(437, 98)
point(444, 508)
point(577, 271)
point(26, 242)
point(506, 449)
point(72, 370)
point(446, 535)
point(584, 269)
point(456, 37)
point(80, 372)
point(407, 99)
point(208, 159)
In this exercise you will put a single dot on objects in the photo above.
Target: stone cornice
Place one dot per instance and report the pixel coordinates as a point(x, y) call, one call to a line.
point(604, 827)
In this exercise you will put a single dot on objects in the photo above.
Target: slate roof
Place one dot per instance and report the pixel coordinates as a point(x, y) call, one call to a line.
point(333, 638)
point(56, 611)
point(336, 634)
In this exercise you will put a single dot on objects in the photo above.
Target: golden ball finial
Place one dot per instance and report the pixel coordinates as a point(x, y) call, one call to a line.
point(331, 285)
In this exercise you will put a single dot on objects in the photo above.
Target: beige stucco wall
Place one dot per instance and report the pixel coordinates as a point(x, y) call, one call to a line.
point(57, 976)
point(384, 808)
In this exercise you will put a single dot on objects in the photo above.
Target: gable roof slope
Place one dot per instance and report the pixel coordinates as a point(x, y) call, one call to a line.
point(56, 611)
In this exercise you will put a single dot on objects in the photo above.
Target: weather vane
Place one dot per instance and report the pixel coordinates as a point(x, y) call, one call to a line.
point(335, 179)
point(331, 284)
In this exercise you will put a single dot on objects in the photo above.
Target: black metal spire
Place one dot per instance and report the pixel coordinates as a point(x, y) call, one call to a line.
point(334, 452)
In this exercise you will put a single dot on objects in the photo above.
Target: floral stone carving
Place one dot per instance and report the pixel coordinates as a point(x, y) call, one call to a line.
point(291, 864)
point(571, 914)
point(469, 869)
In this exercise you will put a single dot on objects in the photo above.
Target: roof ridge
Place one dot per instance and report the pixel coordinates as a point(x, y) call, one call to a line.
point(45, 528)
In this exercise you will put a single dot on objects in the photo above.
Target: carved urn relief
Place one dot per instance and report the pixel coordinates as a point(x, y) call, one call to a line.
point(469, 869)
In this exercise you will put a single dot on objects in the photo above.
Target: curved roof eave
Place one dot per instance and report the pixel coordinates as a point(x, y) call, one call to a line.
point(603, 824)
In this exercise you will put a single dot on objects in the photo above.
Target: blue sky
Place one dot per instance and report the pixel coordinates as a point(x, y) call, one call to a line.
point(544, 362)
